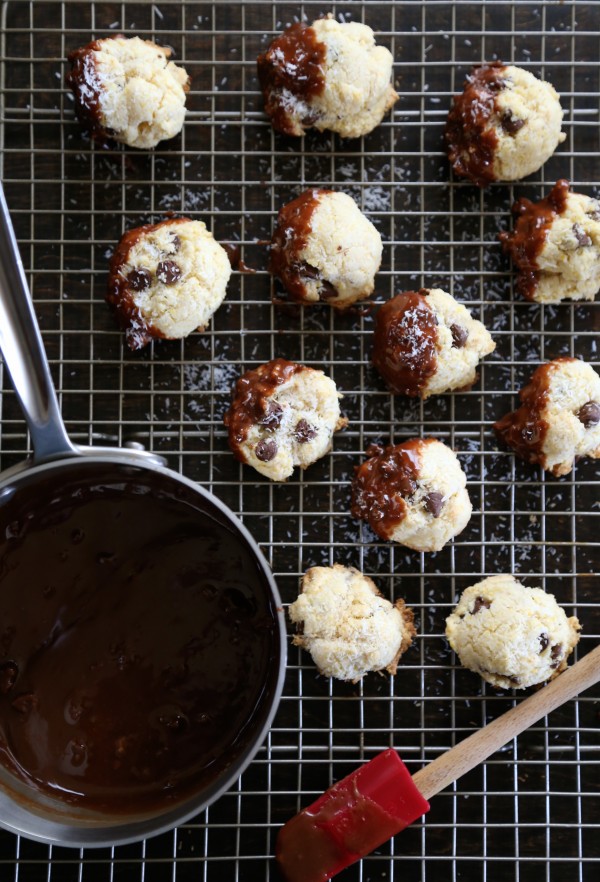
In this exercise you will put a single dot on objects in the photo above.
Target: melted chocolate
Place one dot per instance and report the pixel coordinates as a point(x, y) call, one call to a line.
point(290, 74)
point(137, 642)
point(404, 350)
point(123, 284)
point(525, 429)
point(86, 86)
point(290, 238)
point(532, 223)
point(232, 251)
point(471, 139)
point(382, 484)
point(251, 405)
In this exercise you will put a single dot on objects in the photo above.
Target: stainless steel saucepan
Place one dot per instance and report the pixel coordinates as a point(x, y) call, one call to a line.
point(34, 811)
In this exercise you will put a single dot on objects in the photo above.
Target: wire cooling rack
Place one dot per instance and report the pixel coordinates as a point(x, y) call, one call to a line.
point(533, 807)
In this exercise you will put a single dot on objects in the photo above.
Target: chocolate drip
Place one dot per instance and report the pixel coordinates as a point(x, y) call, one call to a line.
point(290, 238)
point(251, 405)
point(404, 344)
point(122, 285)
point(382, 484)
point(471, 138)
point(290, 74)
point(532, 223)
point(524, 430)
point(85, 84)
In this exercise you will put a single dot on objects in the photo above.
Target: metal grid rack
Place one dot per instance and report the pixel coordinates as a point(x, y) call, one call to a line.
point(532, 808)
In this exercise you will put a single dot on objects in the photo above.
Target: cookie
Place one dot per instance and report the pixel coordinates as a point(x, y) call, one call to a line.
point(559, 416)
point(347, 626)
point(283, 415)
point(328, 75)
point(325, 250)
point(503, 126)
point(513, 636)
point(555, 246)
point(166, 280)
point(426, 343)
point(413, 493)
point(127, 90)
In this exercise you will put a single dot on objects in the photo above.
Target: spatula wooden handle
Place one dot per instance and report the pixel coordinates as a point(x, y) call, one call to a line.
point(483, 743)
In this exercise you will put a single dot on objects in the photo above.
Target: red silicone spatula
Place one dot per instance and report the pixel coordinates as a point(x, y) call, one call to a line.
point(379, 799)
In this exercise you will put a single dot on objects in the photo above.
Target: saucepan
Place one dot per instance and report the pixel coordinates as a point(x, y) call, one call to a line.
point(142, 636)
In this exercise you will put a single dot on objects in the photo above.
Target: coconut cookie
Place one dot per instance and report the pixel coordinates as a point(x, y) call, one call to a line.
point(503, 126)
point(513, 636)
point(348, 627)
point(283, 415)
point(328, 75)
point(166, 280)
point(556, 246)
point(126, 89)
point(324, 249)
point(413, 493)
point(559, 416)
point(426, 343)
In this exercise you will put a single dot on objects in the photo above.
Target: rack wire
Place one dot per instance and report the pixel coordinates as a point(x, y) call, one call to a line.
point(533, 807)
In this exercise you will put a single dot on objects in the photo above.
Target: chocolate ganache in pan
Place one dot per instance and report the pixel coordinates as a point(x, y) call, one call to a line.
point(137, 644)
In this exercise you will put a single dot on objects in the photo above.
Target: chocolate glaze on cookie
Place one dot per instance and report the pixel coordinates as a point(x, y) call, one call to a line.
point(532, 223)
point(290, 73)
point(471, 140)
point(251, 404)
point(382, 484)
point(85, 84)
point(404, 346)
point(138, 330)
point(524, 430)
point(289, 240)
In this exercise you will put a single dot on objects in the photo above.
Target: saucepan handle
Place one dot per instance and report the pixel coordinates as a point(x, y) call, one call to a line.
point(23, 351)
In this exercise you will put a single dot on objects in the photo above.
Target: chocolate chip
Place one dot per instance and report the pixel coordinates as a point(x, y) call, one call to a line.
point(582, 237)
point(556, 651)
point(265, 450)
point(434, 503)
point(479, 604)
point(304, 431)
point(327, 291)
point(168, 272)
point(310, 118)
point(594, 214)
point(308, 271)
point(8, 676)
point(139, 279)
point(273, 415)
point(589, 414)
point(511, 124)
point(544, 641)
point(176, 243)
point(459, 336)
point(514, 680)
